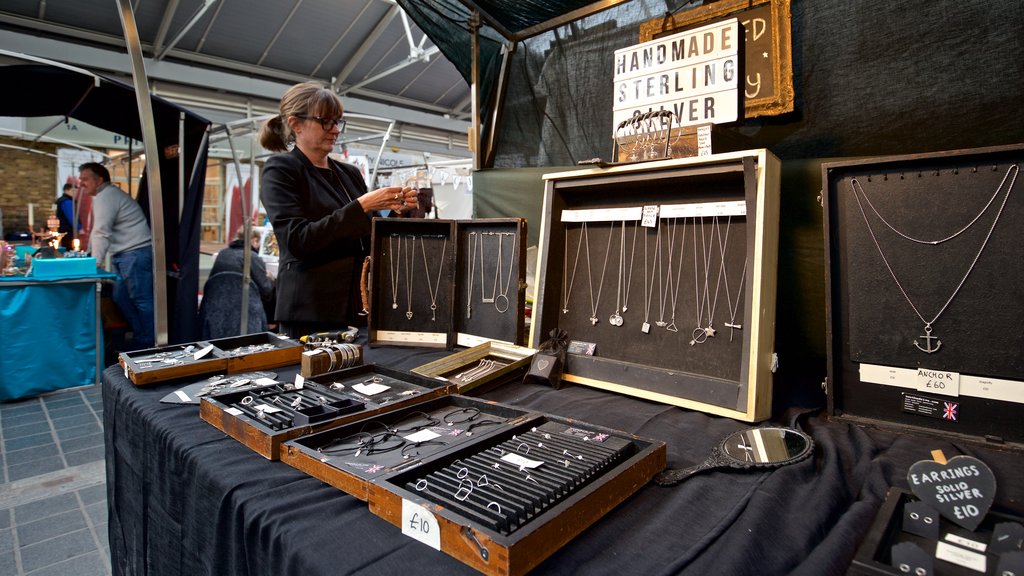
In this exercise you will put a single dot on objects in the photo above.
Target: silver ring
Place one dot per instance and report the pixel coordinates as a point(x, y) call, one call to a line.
point(496, 505)
point(421, 485)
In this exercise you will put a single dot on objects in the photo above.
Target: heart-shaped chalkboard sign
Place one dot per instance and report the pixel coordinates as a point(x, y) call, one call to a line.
point(961, 489)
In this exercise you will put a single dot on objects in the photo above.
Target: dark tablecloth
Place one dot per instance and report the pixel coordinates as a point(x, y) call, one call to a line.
point(184, 498)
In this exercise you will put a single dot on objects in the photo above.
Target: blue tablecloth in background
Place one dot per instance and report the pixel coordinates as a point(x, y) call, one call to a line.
point(51, 335)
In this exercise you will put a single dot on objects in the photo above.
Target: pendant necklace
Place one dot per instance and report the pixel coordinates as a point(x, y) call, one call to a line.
point(721, 272)
point(590, 279)
point(503, 295)
point(932, 343)
point(394, 266)
point(855, 184)
point(662, 292)
point(671, 327)
point(565, 268)
point(494, 285)
point(731, 324)
point(615, 319)
point(699, 334)
point(433, 290)
point(409, 269)
point(649, 293)
point(474, 248)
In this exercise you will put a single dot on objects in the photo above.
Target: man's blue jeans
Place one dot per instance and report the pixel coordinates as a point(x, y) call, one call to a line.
point(133, 292)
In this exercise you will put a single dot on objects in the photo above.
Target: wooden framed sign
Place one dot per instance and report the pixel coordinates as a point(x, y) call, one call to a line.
point(768, 51)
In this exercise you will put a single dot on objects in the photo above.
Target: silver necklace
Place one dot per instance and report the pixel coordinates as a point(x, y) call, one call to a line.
point(433, 290)
point(629, 280)
point(394, 266)
point(700, 334)
point(854, 183)
point(409, 269)
point(649, 293)
point(503, 295)
point(497, 271)
point(721, 271)
point(615, 319)
point(594, 302)
point(674, 285)
point(932, 343)
point(733, 309)
point(474, 248)
point(670, 237)
point(565, 268)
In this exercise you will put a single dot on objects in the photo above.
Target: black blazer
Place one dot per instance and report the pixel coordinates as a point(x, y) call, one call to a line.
point(323, 235)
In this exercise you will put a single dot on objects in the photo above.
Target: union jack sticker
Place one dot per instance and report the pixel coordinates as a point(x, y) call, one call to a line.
point(949, 410)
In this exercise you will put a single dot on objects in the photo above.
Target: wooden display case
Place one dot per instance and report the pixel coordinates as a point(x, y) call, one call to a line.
point(501, 497)
point(925, 292)
point(664, 274)
point(265, 418)
point(481, 367)
point(458, 294)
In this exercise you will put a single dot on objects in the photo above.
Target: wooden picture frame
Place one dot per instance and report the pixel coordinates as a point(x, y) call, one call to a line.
point(769, 54)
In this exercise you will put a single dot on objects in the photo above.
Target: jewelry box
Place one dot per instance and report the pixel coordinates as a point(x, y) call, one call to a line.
point(925, 291)
point(481, 367)
point(874, 556)
point(264, 418)
point(231, 355)
point(442, 283)
point(663, 274)
point(494, 486)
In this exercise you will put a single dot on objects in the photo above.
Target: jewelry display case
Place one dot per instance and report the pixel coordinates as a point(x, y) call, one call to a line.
point(925, 292)
point(664, 274)
point(494, 486)
point(228, 355)
point(441, 283)
point(987, 546)
point(264, 418)
point(330, 358)
point(481, 367)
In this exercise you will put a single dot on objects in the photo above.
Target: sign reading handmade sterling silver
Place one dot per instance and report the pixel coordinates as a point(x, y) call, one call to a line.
point(928, 343)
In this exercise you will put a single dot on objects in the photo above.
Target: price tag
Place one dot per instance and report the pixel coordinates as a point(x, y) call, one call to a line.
point(704, 140)
point(203, 352)
point(938, 382)
point(370, 389)
point(420, 524)
point(650, 217)
point(299, 381)
point(233, 411)
point(518, 460)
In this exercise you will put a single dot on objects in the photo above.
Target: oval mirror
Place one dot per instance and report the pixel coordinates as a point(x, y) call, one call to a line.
point(768, 447)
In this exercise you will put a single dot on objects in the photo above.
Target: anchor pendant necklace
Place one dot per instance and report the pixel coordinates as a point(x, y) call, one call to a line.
point(409, 269)
point(440, 266)
point(567, 290)
point(932, 343)
point(594, 302)
point(394, 266)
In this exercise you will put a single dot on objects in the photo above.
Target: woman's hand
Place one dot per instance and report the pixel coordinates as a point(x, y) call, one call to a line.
point(394, 198)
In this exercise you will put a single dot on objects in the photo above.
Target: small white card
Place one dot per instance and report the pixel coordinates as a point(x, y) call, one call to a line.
point(938, 382)
point(233, 411)
point(420, 524)
point(966, 542)
point(184, 397)
point(516, 459)
point(265, 381)
point(299, 381)
point(960, 557)
point(370, 389)
point(267, 408)
point(202, 352)
point(422, 435)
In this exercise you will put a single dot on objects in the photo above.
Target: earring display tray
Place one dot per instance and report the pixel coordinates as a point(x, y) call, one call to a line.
point(664, 275)
point(925, 296)
point(498, 488)
point(265, 418)
point(352, 456)
point(437, 283)
point(481, 367)
point(504, 502)
point(232, 355)
point(977, 547)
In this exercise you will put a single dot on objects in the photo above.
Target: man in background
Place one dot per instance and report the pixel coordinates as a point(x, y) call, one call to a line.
point(120, 231)
point(66, 215)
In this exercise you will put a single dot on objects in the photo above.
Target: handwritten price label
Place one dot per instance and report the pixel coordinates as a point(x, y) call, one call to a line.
point(420, 524)
point(938, 382)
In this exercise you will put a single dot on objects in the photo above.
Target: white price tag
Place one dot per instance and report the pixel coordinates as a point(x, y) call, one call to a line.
point(650, 217)
point(938, 382)
point(370, 389)
point(265, 381)
point(233, 411)
point(420, 524)
point(704, 140)
point(422, 436)
point(966, 542)
point(266, 408)
point(961, 557)
point(182, 396)
point(299, 381)
point(516, 459)
point(202, 352)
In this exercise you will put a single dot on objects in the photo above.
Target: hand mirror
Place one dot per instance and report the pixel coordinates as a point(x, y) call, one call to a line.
point(746, 449)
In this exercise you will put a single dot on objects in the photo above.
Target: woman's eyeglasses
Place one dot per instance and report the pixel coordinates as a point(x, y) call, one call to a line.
point(325, 123)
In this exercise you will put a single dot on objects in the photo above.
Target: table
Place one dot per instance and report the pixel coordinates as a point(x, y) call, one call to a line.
point(186, 499)
point(51, 334)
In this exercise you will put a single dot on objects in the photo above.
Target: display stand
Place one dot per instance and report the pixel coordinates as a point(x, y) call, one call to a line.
point(925, 291)
point(663, 274)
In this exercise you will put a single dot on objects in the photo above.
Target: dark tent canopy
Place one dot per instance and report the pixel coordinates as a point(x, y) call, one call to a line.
point(43, 90)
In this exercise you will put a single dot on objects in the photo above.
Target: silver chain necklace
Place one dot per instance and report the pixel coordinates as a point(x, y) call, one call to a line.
point(595, 302)
point(426, 269)
point(731, 324)
point(394, 266)
point(474, 249)
point(503, 295)
point(409, 269)
point(854, 183)
point(649, 293)
point(567, 291)
point(670, 237)
point(932, 343)
point(671, 327)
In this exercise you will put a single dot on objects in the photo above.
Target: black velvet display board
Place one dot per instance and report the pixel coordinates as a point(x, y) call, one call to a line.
point(490, 292)
point(953, 300)
point(186, 499)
